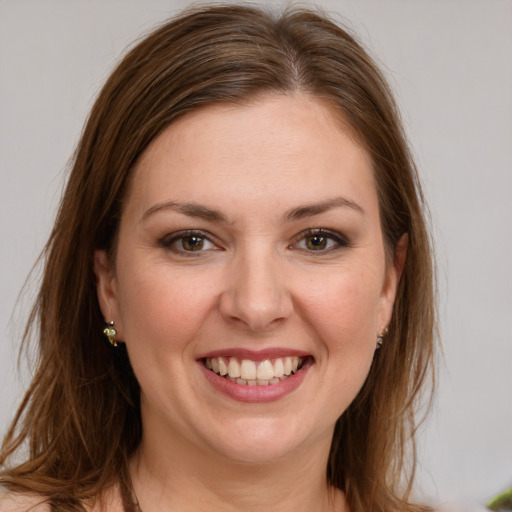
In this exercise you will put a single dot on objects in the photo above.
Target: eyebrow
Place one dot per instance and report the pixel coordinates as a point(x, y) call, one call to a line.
point(189, 209)
point(309, 210)
point(203, 212)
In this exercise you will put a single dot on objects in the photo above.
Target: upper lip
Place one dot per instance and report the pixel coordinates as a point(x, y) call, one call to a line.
point(255, 355)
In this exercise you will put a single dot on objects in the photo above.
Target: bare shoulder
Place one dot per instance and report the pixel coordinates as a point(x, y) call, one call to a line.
point(461, 506)
point(22, 503)
point(13, 502)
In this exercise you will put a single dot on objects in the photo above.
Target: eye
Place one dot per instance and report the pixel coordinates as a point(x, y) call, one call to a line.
point(320, 240)
point(188, 242)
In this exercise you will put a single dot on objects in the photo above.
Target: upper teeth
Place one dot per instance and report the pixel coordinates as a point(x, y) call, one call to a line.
point(262, 372)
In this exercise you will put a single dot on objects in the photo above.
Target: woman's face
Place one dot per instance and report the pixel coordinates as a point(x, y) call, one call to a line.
point(250, 243)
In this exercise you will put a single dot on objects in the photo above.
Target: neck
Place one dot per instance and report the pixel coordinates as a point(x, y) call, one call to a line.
point(178, 475)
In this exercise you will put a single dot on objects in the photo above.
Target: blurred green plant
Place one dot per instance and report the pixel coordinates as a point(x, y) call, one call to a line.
point(502, 502)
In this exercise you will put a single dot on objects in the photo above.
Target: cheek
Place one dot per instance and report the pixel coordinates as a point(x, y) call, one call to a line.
point(345, 307)
point(162, 312)
point(344, 317)
point(161, 307)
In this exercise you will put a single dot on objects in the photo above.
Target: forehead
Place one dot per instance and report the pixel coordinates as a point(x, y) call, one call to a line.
point(291, 148)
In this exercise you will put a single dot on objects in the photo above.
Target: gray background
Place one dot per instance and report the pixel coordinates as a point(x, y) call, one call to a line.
point(450, 63)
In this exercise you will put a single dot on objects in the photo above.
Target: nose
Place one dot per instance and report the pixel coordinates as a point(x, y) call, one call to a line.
point(256, 296)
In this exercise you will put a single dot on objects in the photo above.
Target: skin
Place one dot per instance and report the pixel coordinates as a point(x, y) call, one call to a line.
point(258, 282)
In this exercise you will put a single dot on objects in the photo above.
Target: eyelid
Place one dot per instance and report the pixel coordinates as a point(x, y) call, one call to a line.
point(340, 239)
point(168, 240)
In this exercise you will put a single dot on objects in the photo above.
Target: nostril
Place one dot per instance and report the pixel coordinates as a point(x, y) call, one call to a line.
point(256, 296)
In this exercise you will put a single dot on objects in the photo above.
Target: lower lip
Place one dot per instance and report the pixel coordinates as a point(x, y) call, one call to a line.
point(255, 394)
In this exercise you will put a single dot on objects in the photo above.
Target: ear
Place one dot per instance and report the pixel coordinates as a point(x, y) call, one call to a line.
point(106, 289)
point(394, 271)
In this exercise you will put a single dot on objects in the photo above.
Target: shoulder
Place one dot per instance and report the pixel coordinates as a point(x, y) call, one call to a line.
point(461, 506)
point(22, 503)
point(109, 501)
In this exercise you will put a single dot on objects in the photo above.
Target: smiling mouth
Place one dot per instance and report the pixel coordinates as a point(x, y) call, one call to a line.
point(255, 373)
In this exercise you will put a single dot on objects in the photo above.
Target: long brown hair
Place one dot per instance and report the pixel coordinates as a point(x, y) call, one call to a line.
point(80, 417)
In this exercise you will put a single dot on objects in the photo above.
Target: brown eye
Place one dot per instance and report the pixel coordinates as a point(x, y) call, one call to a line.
point(320, 241)
point(316, 242)
point(192, 243)
point(186, 242)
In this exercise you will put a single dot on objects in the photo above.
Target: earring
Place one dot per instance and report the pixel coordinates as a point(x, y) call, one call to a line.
point(110, 333)
point(380, 337)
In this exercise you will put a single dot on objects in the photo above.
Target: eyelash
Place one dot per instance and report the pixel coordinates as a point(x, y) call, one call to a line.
point(168, 241)
point(339, 240)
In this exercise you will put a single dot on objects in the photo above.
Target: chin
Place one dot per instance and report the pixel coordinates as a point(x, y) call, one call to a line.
point(260, 442)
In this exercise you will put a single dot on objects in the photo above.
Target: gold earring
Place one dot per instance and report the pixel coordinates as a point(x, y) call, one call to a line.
point(380, 337)
point(110, 333)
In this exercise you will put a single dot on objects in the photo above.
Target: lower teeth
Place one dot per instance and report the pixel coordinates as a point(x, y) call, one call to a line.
point(244, 382)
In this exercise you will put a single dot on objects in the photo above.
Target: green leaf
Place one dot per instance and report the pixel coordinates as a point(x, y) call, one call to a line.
point(502, 503)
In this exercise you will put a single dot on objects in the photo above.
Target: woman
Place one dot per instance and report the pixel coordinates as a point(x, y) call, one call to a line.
point(237, 309)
